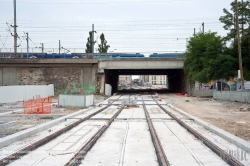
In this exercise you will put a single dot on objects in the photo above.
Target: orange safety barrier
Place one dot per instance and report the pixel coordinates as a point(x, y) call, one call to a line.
point(37, 106)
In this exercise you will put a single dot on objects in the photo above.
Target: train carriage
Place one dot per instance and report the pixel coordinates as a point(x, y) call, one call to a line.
point(89, 55)
point(167, 55)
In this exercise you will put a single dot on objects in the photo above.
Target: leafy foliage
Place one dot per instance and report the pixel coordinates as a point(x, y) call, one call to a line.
point(89, 43)
point(245, 46)
point(205, 59)
point(207, 56)
point(229, 24)
point(103, 47)
point(223, 66)
point(229, 19)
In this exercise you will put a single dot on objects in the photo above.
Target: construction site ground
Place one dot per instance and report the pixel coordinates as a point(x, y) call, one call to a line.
point(25, 121)
point(233, 117)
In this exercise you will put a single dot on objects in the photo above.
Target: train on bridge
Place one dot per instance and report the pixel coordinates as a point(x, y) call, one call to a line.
point(89, 55)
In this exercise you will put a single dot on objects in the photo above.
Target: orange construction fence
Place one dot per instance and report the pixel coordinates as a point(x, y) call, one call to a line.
point(37, 106)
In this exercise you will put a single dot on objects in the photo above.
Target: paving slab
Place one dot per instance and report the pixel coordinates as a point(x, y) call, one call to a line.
point(123, 142)
point(177, 142)
point(132, 113)
point(52, 152)
point(243, 144)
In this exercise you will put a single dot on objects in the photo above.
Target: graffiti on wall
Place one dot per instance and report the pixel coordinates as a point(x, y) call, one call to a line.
point(77, 88)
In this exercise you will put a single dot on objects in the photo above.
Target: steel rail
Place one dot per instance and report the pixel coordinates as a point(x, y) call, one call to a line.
point(220, 152)
point(44, 140)
point(162, 159)
point(76, 159)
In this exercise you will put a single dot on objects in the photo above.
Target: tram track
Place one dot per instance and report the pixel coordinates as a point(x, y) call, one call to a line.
point(23, 151)
point(43, 141)
point(76, 159)
point(162, 159)
point(220, 152)
point(163, 131)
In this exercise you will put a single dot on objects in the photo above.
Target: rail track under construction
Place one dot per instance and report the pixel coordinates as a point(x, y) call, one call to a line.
point(135, 129)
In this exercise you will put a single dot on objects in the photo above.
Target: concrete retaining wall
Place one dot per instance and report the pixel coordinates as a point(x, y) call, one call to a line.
point(64, 77)
point(232, 96)
point(75, 100)
point(10, 94)
point(9, 76)
point(203, 93)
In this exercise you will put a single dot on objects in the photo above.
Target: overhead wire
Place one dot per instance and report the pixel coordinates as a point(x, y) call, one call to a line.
point(93, 3)
point(5, 40)
point(3, 45)
point(156, 32)
point(32, 41)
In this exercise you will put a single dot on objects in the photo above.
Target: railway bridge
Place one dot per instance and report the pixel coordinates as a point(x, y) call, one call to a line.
point(98, 72)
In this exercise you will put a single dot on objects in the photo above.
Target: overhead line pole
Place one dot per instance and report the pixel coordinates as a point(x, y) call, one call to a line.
point(242, 22)
point(239, 46)
point(27, 44)
point(93, 42)
point(42, 47)
point(203, 27)
point(15, 31)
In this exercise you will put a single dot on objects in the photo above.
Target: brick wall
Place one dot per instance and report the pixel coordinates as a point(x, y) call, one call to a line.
point(60, 77)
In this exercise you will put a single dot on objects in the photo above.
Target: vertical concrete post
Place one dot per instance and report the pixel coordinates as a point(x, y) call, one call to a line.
point(27, 45)
point(15, 31)
point(93, 42)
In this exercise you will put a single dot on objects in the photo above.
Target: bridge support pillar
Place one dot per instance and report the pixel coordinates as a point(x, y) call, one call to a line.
point(100, 81)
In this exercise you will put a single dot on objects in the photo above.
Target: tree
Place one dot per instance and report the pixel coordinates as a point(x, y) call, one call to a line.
point(246, 56)
point(229, 19)
point(229, 24)
point(205, 59)
point(103, 47)
point(223, 66)
point(89, 43)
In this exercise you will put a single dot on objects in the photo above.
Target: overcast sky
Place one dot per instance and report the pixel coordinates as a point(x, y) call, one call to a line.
point(145, 26)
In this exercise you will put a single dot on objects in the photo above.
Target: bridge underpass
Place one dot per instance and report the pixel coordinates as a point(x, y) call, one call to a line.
point(63, 72)
point(175, 77)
